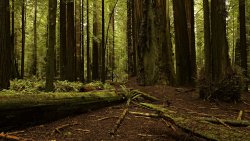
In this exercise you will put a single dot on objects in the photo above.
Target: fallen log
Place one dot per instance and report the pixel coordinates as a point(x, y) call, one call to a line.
point(198, 127)
point(29, 109)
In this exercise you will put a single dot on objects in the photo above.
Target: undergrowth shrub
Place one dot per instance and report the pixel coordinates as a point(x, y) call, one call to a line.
point(228, 89)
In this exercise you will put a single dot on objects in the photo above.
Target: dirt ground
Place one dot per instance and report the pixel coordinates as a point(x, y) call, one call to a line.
point(97, 125)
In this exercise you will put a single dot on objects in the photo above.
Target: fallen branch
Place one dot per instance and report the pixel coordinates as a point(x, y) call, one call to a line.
point(121, 118)
point(196, 126)
point(145, 95)
point(240, 115)
point(105, 118)
point(12, 138)
point(236, 123)
point(152, 115)
point(58, 129)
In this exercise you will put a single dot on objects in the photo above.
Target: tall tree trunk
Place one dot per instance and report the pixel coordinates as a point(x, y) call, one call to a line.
point(129, 37)
point(168, 50)
point(219, 44)
point(82, 42)
point(95, 69)
point(63, 39)
point(70, 48)
point(182, 50)
point(189, 6)
point(50, 70)
point(5, 49)
point(103, 72)
point(14, 67)
point(23, 37)
point(243, 42)
point(34, 53)
point(207, 40)
point(113, 47)
point(88, 45)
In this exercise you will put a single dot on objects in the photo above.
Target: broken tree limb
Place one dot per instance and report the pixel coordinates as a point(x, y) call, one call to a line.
point(237, 123)
point(199, 126)
point(145, 95)
point(29, 109)
point(7, 137)
point(121, 118)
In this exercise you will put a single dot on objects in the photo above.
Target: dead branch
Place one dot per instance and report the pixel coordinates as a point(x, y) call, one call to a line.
point(58, 129)
point(12, 138)
point(240, 115)
point(121, 118)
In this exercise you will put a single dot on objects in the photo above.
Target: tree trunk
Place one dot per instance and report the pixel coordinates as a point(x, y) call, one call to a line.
point(23, 37)
point(82, 42)
point(103, 72)
point(70, 48)
point(37, 109)
point(96, 33)
point(5, 49)
point(129, 37)
point(182, 49)
point(34, 53)
point(219, 44)
point(189, 6)
point(88, 45)
point(50, 70)
point(243, 42)
point(207, 40)
point(63, 41)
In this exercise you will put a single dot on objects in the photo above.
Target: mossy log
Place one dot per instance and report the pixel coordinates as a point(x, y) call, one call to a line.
point(201, 128)
point(25, 109)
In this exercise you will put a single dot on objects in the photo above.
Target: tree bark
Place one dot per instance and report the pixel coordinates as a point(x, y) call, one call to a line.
point(70, 48)
point(103, 72)
point(182, 49)
point(96, 33)
point(34, 53)
point(88, 45)
point(50, 64)
point(63, 40)
point(37, 109)
point(5, 49)
point(23, 37)
point(243, 41)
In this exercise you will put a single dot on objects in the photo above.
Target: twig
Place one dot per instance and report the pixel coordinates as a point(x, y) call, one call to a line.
point(62, 127)
point(240, 115)
point(12, 138)
point(169, 124)
point(104, 118)
point(145, 114)
point(222, 122)
point(16, 132)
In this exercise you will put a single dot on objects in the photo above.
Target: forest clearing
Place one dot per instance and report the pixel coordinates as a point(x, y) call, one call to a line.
point(124, 70)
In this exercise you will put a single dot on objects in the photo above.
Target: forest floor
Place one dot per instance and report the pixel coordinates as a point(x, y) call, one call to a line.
point(96, 125)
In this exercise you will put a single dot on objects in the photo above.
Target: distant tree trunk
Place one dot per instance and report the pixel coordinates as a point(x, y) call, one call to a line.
point(82, 42)
point(168, 50)
point(88, 45)
point(103, 72)
point(70, 48)
point(23, 37)
point(50, 70)
point(63, 40)
point(95, 69)
point(189, 6)
point(207, 40)
point(14, 67)
point(129, 37)
point(182, 50)
point(113, 48)
point(135, 37)
point(5, 49)
point(34, 53)
point(243, 42)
